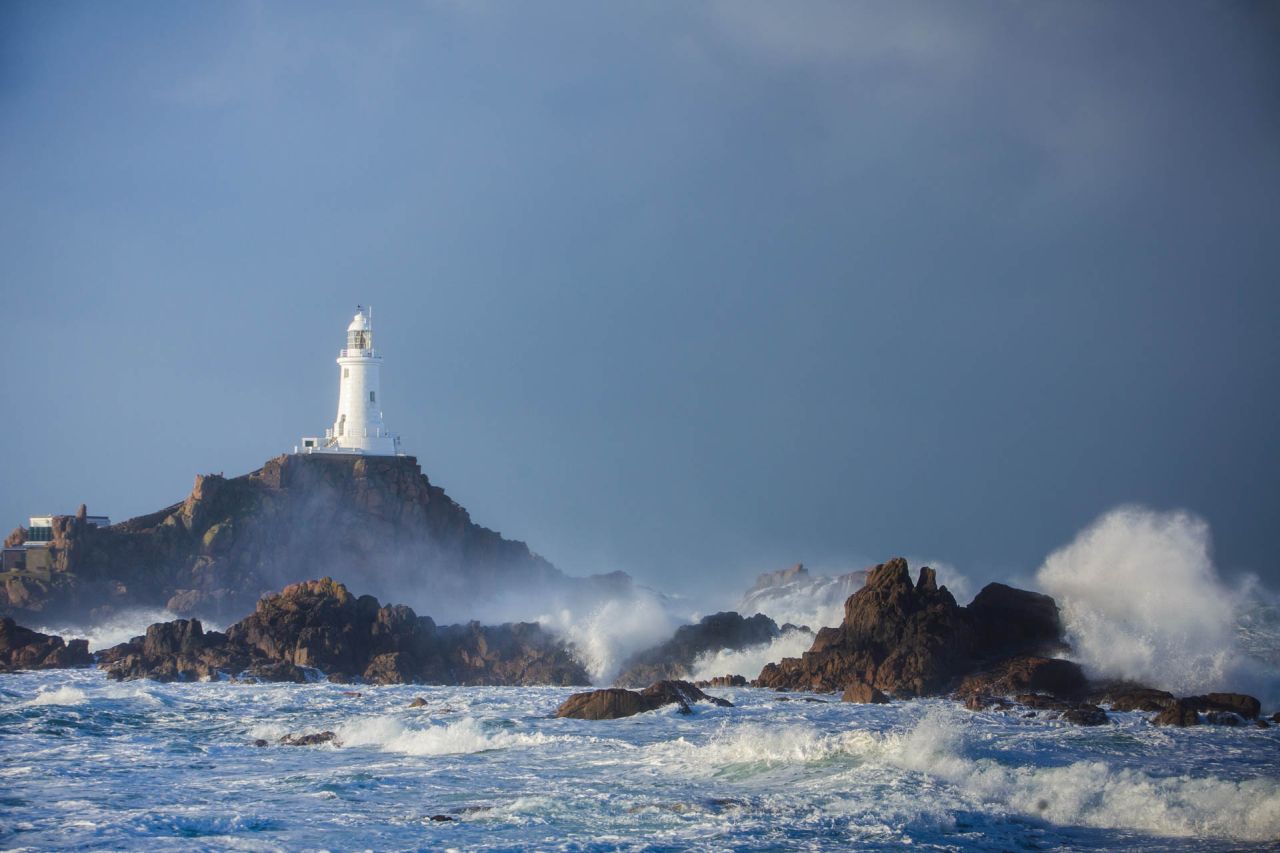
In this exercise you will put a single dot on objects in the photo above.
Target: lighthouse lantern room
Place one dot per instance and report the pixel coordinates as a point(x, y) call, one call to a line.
point(358, 427)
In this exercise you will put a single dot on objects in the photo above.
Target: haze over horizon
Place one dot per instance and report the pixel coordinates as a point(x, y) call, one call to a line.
point(688, 291)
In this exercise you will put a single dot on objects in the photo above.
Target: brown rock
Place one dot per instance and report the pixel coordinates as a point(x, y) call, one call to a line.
point(21, 648)
point(1238, 703)
point(863, 693)
point(614, 702)
point(1180, 713)
point(418, 702)
point(1026, 674)
point(1085, 715)
point(914, 640)
point(1132, 697)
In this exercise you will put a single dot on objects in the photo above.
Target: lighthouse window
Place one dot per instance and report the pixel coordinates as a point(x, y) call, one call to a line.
point(346, 372)
point(371, 397)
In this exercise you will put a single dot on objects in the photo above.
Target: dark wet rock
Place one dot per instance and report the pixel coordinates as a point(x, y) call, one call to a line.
point(1223, 718)
point(418, 702)
point(278, 671)
point(260, 742)
point(1275, 718)
point(723, 681)
point(614, 702)
point(441, 818)
point(312, 739)
point(1179, 713)
point(1238, 703)
point(21, 648)
point(1085, 715)
point(980, 702)
point(1132, 697)
point(863, 693)
point(352, 694)
point(813, 699)
point(1026, 674)
point(674, 659)
point(914, 640)
point(1261, 724)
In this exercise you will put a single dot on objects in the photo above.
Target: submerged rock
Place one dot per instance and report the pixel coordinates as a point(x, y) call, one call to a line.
point(21, 648)
point(313, 739)
point(611, 703)
point(1132, 697)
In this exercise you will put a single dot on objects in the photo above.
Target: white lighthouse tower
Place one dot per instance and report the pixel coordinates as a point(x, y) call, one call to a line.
point(358, 427)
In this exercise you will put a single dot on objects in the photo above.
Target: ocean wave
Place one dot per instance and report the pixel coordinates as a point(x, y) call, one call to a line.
point(1087, 793)
point(390, 734)
point(58, 696)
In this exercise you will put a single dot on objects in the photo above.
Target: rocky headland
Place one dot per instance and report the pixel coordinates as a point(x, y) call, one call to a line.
point(376, 521)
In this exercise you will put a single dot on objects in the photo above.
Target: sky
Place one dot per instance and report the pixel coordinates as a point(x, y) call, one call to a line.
point(688, 290)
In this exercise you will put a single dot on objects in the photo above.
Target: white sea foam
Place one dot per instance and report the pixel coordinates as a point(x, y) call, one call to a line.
point(390, 734)
point(610, 631)
point(59, 696)
point(1089, 793)
point(1141, 599)
point(749, 661)
point(118, 628)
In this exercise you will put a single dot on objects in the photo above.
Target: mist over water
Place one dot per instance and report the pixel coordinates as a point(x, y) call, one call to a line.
point(1142, 600)
point(117, 628)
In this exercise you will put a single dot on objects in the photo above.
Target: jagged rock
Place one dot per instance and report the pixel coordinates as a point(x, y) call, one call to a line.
point(1239, 703)
point(21, 648)
point(1179, 713)
point(914, 640)
point(863, 693)
point(313, 739)
point(418, 702)
point(319, 624)
point(723, 681)
point(612, 703)
point(674, 658)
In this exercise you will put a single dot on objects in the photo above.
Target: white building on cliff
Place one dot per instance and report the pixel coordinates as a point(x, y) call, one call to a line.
point(358, 427)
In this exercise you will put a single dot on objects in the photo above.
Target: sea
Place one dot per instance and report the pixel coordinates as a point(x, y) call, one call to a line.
point(91, 764)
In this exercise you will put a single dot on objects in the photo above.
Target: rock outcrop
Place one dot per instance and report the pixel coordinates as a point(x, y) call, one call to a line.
point(373, 520)
point(319, 625)
point(614, 702)
point(21, 648)
point(675, 658)
point(910, 639)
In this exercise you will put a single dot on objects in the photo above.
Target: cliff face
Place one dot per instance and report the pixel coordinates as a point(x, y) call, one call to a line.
point(375, 521)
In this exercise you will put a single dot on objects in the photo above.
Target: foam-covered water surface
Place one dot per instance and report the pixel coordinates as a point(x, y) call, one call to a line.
point(90, 764)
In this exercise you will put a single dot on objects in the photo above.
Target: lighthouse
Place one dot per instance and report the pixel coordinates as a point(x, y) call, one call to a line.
point(358, 428)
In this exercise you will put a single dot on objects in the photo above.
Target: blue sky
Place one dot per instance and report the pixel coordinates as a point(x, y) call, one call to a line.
point(688, 290)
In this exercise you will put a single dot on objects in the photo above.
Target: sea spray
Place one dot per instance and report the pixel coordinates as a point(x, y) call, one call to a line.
point(1142, 600)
